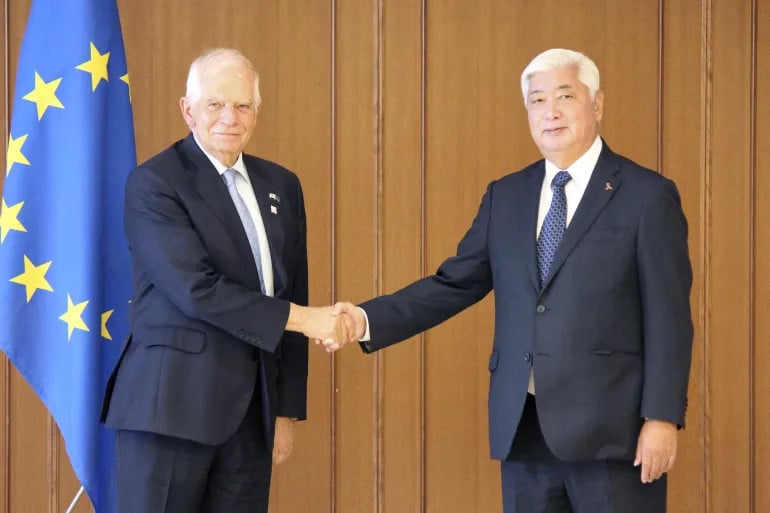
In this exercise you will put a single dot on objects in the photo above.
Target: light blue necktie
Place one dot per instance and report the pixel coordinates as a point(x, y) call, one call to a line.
point(553, 226)
point(247, 221)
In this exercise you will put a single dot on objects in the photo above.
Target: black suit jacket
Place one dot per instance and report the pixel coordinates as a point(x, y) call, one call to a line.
point(202, 333)
point(609, 334)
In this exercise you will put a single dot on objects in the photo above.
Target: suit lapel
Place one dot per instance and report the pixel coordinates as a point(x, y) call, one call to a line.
point(531, 206)
point(601, 187)
point(270, 210)
point(213, 191)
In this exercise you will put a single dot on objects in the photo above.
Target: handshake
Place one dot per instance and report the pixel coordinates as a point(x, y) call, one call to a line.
point(330, 326)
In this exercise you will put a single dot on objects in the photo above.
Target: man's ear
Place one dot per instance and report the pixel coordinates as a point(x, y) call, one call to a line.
point(186, 108)
point(599, 104)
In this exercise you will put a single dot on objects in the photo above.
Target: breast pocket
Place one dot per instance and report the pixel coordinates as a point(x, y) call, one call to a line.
point(610, 234)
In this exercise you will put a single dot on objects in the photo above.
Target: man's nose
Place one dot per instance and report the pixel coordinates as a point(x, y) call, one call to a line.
point(551, 110)
point(227, 114)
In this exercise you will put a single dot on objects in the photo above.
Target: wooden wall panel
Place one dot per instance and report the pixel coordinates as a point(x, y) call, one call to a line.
point(401, 401)
point(396, 114)
point(729, 224)
point(682, 157)
point(761, 256)
point(357, 383)
point(28, 455)
point(627, 56)
point(455, 441)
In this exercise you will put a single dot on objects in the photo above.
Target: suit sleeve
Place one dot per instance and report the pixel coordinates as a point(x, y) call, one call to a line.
point(665, 279)
point(293, 364)
point(167, 246)
point(459, 282)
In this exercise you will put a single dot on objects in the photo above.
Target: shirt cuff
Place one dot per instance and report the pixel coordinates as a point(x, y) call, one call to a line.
point(367, 336)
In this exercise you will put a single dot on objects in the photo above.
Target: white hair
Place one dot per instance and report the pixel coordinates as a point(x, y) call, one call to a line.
point(558, 58)
point(219, 58)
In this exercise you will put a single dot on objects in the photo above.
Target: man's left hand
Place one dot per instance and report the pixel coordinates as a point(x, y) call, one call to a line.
point(284, 439)
point(656, 449)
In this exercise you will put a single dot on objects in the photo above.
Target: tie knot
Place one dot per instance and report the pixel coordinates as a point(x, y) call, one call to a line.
point(561, 178)
point(229, 176)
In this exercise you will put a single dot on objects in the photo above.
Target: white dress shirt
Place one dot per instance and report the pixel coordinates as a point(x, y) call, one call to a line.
point(246, 191)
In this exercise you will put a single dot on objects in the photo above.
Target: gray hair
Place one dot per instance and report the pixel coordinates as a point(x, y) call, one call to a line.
point(219, 58)
point(557, 58)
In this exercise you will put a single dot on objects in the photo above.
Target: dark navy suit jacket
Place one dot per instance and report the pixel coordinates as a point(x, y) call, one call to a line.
point(609, 334)
point(202, 333)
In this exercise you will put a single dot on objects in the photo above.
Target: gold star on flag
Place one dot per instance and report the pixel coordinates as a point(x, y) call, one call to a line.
point(9, 219)
point(106, 317)
point(33, 277)
point(96, 66)
point(73, 316)
point(124, 78)
point(44, 95)
point(15, 156)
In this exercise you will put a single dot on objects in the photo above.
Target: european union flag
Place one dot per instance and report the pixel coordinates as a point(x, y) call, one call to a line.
point(64, 263)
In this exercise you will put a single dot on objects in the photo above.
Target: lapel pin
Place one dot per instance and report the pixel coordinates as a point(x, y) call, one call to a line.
point(274, 196)
point(273, 209)
point(607, 186)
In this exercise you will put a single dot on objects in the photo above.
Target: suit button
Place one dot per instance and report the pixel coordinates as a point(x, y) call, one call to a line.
point(540, 309)
point(527, 357)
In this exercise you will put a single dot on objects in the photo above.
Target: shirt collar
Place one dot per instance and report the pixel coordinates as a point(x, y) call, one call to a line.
point(239, 166)
point(581, 169)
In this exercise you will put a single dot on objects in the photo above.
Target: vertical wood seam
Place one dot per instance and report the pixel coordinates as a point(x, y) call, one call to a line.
point(333, 253)
point(705, 234)
point(752, 254)
point(379, 360)
point(660, 89)
point(423, 249)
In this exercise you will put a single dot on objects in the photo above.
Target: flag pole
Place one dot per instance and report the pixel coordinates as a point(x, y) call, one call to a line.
point(75, 500)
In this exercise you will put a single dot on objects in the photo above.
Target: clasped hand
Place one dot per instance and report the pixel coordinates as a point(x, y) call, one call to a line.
point(334, 326)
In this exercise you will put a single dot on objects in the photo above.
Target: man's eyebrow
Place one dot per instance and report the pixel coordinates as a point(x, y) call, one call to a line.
point(562, 87)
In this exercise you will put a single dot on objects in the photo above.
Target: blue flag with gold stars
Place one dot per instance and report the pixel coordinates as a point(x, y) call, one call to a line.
point(64, 263)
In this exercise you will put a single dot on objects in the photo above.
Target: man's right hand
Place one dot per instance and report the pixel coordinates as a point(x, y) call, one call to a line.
point(320, 323)
point(355, 322)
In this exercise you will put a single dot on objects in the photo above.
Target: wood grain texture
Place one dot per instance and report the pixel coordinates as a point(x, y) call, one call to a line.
point(729, 228)
point(761, 238)
point(459, 474)
point(682, 158)
point(400, 114)
point(357, 206)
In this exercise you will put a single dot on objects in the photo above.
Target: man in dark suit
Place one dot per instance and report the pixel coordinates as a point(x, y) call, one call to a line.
point(587, 254)
point(214, 374)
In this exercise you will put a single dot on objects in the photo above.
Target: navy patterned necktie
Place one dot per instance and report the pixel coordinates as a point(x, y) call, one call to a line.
point(553, 226)
point(247, 221)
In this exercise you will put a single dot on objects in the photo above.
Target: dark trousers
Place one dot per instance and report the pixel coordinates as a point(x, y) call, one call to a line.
point(535, 481)
point(161, 474)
